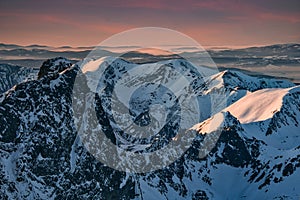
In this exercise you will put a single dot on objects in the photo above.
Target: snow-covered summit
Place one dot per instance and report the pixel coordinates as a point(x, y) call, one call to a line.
point(271, 115)
point(234, 84)
point(265, 126)
point(261, 105)
point(235, 79)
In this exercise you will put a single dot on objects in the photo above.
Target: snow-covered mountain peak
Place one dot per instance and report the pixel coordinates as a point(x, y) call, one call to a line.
point(89, 65)
point(260, 105)
point(270, 115)
point(234, 79)
point(93, 65)
point(164, 71)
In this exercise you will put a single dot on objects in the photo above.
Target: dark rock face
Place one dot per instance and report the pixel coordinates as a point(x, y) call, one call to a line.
point(42, 157)
point(54, 66)
point(38, 139)
point(11, 75)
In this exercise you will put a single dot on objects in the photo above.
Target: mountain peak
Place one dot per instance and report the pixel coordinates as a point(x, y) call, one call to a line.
point(93, 65)
point(54, 66)
point(234, 79)
point(260, 105)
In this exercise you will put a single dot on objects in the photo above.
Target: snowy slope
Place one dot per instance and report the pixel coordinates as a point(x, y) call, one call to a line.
point(236, 84)
point(271, 115)
point(260, 169)
point(252, 156)
point(259, 105)
point(228, 87)
point(268, 121)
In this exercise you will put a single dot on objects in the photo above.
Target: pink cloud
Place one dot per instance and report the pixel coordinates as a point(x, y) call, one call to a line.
point(272, 16)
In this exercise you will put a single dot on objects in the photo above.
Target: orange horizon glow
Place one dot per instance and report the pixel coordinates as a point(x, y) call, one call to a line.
point(210, 23)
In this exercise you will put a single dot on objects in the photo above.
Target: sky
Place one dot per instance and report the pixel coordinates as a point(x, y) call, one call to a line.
point(209, 22)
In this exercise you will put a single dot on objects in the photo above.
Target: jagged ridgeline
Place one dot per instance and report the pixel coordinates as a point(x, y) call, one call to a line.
point(255, 156)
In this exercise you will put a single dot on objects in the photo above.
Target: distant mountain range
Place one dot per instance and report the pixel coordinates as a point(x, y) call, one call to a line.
point(255, 156)
point(280, 60)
